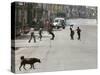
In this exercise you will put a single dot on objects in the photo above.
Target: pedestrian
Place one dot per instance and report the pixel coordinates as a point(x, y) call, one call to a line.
point(50, 30)
point(78, 33)
point(40, 33)
point(63, 24)
point(71, 33)
point(32, 35)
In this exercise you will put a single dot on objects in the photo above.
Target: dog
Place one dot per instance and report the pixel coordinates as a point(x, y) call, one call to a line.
point(29, 61)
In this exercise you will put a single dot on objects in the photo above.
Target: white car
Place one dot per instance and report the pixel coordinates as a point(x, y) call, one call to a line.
point(59, 23)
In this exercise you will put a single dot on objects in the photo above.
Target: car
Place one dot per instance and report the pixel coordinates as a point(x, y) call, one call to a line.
point(59, 23)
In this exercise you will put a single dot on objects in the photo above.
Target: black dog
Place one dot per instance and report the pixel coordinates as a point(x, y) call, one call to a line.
point(30, 61)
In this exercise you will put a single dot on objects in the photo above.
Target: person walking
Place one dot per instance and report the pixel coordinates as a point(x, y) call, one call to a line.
point(50, 30)
point(40, 33)
point(78, 33)
point(71, 33)
point(32, 35)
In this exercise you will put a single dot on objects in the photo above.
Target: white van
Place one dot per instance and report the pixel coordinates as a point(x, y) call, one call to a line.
point(59, 23)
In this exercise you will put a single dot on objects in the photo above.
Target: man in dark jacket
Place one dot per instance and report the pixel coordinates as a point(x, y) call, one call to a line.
point(71, 33)
point(50, 30)
point(78, 32)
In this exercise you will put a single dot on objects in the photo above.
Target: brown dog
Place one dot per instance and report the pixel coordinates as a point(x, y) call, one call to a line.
point(30, 61)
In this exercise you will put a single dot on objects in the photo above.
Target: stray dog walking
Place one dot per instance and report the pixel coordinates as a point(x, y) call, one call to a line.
point(30, 61)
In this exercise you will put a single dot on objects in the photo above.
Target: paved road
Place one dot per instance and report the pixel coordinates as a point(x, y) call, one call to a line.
point(61, 53)
point(80, 21)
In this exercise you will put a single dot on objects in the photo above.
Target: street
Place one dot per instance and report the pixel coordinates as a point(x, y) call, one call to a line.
point(61, 53)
